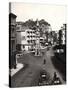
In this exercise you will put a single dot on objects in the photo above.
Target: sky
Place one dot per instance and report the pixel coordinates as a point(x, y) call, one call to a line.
point(55, 15)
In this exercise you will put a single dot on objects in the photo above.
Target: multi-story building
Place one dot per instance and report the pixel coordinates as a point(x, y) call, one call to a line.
point(54, 37)
point(46, 29)
point(31, 36)
point(25, 37)
point(62, 35)
point(20, 36)
point(61, 47)
point(12, 40)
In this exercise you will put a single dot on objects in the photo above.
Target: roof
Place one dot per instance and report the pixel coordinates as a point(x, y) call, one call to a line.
point(12, 15)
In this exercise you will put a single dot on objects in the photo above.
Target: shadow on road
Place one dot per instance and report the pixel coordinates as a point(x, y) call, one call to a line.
point(60, 66)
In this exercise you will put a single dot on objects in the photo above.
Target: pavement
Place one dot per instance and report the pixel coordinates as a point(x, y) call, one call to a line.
point(13, 71)
point(30, 75)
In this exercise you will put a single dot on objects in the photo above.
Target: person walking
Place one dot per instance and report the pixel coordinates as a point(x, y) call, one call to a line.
point(55, 76)
point(44, 61)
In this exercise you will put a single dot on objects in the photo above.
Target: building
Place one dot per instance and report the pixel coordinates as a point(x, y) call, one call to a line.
point(25, 37)
point(61, 46)
point(54, 37)
point(21, 36)
point(12, 40)
point(31, 38)
point(62, 35)
point(45, 33)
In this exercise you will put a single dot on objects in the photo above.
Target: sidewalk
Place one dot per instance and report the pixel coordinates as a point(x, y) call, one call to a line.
point(18, 68)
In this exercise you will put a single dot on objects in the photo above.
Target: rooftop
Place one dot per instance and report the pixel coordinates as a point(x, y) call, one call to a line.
point(12, 15)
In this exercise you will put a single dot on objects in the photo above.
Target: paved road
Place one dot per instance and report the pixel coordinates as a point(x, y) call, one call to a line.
point(49, 65)
point(30, 75)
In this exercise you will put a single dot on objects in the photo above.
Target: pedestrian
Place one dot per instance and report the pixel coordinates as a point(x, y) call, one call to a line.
point(55, 76)
point(44, 61)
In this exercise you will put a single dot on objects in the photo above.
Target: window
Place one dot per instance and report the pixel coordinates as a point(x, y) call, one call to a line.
point(27, 31)
point(31, 36)
point(31, 41)
point(31, 32)
point(28, 41)
point(17, 28)
point(28, 36)
point(23, 46)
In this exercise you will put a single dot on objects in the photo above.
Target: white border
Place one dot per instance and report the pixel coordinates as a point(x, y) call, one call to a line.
point(4, 47)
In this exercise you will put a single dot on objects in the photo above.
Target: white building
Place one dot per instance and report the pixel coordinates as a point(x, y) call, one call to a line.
point(30, 37)
point(25, 37)
point(62, 35)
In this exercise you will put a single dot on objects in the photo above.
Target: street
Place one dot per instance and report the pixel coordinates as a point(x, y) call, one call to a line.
point(35, 64)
